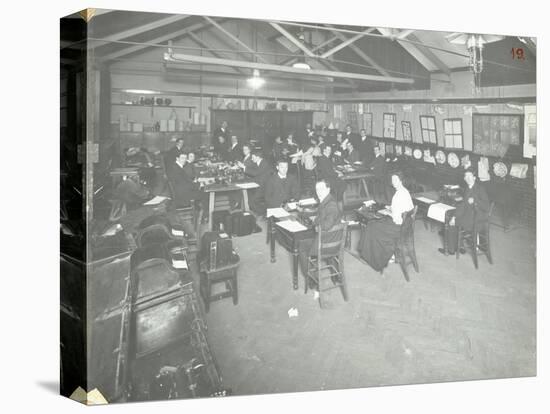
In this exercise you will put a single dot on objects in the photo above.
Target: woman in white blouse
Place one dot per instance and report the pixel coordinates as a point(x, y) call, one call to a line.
point(377, 242)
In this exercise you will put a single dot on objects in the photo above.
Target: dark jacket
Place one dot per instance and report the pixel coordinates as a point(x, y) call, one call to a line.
point(279, 190)
point(170, 156)
point(366, 151)
point(353, 156)
point(379, 167)
point(259, 173)
point(219, 133)
point(221, 150)
point(183, 187)
point(465, 211)
point(352, 137)
point(328, 215)
point(234, 154)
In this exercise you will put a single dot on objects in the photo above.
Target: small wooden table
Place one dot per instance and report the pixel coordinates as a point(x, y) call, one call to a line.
point(290, 241)
point(360, 177)
point(213, 189)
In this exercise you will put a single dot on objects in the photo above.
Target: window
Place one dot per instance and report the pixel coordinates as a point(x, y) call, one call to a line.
point(407, 131)
point(367, 123)
point(389, 126)
point(427, 127)
point(453, 133)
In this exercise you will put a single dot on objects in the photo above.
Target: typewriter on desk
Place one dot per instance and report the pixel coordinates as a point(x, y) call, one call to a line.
point(451, 194)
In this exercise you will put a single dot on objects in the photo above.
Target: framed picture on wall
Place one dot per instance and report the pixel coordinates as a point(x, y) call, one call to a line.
point(454, 136)
point(427, 129)
point(389, 125)
point(407, 130)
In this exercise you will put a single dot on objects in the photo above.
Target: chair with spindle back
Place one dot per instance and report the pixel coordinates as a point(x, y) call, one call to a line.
point(328, 263)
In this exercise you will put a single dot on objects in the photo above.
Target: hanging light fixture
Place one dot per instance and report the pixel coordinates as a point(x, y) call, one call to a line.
point(256, 81)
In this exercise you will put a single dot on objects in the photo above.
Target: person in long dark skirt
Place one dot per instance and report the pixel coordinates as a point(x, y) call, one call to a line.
point(377, 242)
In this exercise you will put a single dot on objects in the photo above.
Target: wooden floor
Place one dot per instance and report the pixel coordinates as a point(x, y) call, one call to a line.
point(450, 322)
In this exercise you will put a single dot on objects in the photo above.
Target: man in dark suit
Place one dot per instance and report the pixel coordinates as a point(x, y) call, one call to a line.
point(380, 182)
point(350, 136)
point(328, 216)
point(474, 208)
point(326, 171)
point(171, 155)
point(221, 148)
point(280, 187)
point(366, 148)
point(235, 151)
point(259, 171)
point(352, 155)
point(183, 186)
point(221, 131)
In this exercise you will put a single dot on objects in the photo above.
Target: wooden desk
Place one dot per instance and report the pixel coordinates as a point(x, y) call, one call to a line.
point(290, 242)
point(360, 178)
point(213, 189)
point(423, 207)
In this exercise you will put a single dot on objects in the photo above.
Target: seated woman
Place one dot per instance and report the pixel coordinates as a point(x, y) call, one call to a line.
point(377, 242)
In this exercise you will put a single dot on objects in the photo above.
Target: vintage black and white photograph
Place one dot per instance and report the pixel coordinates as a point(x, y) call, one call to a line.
point(260, 206)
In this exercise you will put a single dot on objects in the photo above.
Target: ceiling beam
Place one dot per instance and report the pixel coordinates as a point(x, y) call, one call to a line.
point(156, 41)
point(210, 49)
point(144, 28)
point(431, 56)
point(234, 38)
point(295, 41)
point(345, 43)
point(179, 57)
point(359, 52)
point(422, 54)
point(404, 33)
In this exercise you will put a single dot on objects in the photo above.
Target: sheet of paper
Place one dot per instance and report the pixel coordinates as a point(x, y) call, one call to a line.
point(307, 202)
point(291, 225)
point(425, 200)
point(369, 203)
point(247, 185)
point(178, 233)
point(180, 264)
point(155, 201)
point(437, 211)
point(384, 212)
point(292, 205)
point(277, 212)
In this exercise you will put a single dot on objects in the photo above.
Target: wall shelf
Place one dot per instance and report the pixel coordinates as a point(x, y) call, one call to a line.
point(153, 106)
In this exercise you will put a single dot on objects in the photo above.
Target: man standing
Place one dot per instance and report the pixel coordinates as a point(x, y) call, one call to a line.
point(171, 155)
point(328, 216)
point(379, 169)
point(474, 209)
point(350, 136)
point(280, 187)
point(366, 149)
point(222, 131)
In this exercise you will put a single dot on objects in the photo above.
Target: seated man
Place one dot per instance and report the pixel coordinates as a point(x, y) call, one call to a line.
point(377, 243)
point(184, 186)
point(328, 216)
point(259, 171)
point(352, 156)
point(475, 204)
point(280, 187)
point(234, 153)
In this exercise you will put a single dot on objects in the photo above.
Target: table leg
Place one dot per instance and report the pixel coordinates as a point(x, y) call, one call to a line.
point(211, 203)
point(272, 240)
point(445, 237)
point(295, 268)
point(245, 200)
point(365, 187)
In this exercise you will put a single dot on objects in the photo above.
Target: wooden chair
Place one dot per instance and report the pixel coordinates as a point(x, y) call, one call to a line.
point(187, 216)
point(405, 252)
point(330, 261)
point(477, 240)
point(210, 275)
